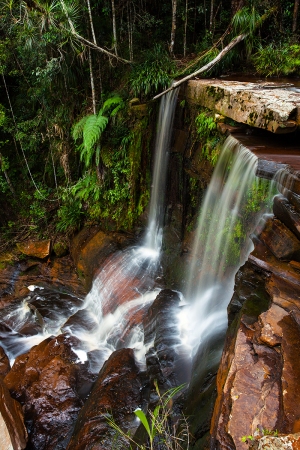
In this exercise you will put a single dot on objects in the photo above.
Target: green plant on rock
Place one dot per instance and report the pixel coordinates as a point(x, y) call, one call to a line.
point(157, 425)
point(90, 128)
point(206, 129)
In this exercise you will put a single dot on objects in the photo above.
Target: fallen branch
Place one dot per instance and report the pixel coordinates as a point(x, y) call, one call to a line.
point(87, 42)
point(207, 67)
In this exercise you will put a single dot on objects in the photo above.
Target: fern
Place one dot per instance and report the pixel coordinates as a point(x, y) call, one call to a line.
point(116, 100)
point(91, 127)
point(78, 128)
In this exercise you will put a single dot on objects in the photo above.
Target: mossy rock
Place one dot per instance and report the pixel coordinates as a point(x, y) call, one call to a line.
point(60, 249)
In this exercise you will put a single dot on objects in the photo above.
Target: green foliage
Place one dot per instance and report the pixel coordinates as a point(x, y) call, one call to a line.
point(157, 426)
point(91, 127)
point(259, 432)
point(245, 20)
point(277, 59)
point(247, 438)
point(69, 213)
point(257, 197)
point(206, 129)
point(153, 74)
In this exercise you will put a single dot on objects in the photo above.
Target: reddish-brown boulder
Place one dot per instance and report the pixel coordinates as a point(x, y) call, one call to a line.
point(13, 434)
point(280, 240)
point(287, 214)
point(259, 371)
point(91, 247)
point(38, 249)
point(47, 381)
point(117, 392)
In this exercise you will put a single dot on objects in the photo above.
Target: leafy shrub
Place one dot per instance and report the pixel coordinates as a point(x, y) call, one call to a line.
point(69, 214)
point(277, 59)
point(153, 74)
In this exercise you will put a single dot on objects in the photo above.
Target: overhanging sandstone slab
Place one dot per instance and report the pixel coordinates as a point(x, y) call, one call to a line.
point(271, 106)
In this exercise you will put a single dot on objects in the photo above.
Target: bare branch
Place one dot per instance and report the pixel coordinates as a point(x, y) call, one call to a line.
point(207, 67)
point(86, 41)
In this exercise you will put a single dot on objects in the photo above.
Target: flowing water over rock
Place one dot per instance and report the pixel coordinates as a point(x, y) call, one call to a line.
point(234, 202)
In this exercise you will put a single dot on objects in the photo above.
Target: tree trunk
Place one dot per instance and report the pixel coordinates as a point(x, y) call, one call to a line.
point(295, 16)
point(173, 28)
point(211, 18)
point(185, 28)
point(90, 58)
point(207, 67)
point(113, 10)
point(130, 31)
point(92, 82)
point(91, 21)
point(6, 176)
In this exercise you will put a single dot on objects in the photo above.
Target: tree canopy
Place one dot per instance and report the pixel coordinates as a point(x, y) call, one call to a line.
point(63, 62)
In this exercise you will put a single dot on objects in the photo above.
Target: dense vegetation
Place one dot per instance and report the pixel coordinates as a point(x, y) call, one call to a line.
point(75, 133)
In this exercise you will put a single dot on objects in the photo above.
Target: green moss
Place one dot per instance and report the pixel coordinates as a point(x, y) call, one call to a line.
point(215, 92)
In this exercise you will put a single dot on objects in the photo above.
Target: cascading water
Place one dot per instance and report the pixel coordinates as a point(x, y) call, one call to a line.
point(234, 202)
point(153, 236)
point(125, 283)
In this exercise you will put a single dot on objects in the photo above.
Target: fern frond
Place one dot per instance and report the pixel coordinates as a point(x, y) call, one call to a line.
point(116, 100)
point(91, 132)
point(101, 123)
point(77, 130)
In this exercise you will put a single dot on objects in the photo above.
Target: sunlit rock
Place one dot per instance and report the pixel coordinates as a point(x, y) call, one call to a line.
point(272, 108)
point(38, 249)
point(260, 370)
point(91, 247)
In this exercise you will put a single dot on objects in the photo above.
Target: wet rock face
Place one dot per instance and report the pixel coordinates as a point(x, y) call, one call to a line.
point(13, 434)
point(166, 360)
point(4, 363)
point(91, 247)
point(117, 392)
point(47, 381)
point(259, 372)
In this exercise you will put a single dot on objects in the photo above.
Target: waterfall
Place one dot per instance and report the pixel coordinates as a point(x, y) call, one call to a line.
point(233, 204)
point(125, 284)
point(153, 236)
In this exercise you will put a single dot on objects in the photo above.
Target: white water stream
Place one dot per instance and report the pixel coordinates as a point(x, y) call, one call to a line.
point(229, 214)
point(125, 284)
